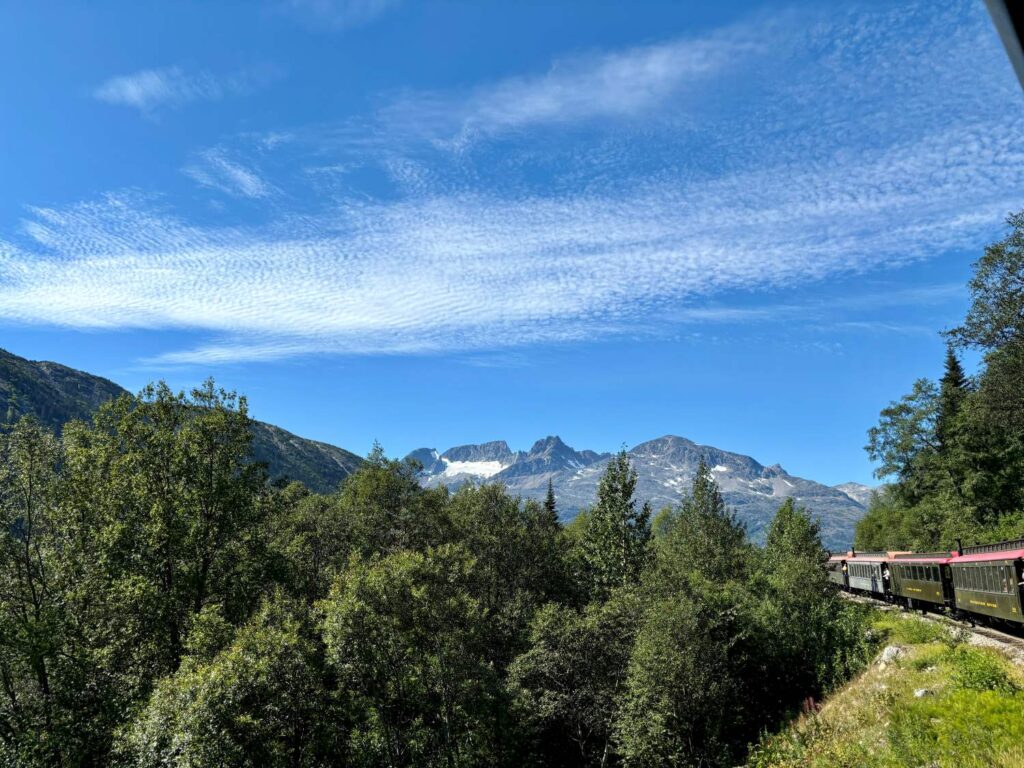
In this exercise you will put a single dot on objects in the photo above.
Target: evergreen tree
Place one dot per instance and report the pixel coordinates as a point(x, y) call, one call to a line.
point(614, 543)
point(550, 506)
point(953, 391)
point(702, 541)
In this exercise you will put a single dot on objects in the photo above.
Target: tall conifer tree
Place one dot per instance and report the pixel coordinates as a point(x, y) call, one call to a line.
point(615, 544)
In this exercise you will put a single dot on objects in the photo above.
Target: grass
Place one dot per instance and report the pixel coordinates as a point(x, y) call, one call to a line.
point(971, 716)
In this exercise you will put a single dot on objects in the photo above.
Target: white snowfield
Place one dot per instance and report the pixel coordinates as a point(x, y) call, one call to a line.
point(474, 468)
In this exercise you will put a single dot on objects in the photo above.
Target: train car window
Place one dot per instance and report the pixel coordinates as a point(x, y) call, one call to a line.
point(935, 572)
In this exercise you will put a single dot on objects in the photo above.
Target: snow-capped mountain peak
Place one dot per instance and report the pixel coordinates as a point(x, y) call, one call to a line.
point(665, 469)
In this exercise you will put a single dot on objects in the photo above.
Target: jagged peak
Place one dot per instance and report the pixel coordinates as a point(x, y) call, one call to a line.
point(493, 450)
point(551, 442)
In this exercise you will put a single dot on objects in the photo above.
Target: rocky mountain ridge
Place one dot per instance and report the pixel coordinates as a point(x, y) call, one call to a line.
point(665, 469)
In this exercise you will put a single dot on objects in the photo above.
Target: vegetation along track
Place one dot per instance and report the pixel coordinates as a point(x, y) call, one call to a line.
point(979, 634)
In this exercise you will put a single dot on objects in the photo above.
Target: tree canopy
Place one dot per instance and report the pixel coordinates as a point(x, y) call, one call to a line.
point(163, 604)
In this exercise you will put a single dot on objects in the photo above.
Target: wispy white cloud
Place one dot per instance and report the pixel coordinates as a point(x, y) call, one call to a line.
point(842, 168)
point(472, 272)
point(215, 170)
point(618, 84)
point(150, 89)
point(337, 14)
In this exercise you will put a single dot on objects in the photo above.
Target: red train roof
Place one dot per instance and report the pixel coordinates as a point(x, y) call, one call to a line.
point(989, 557)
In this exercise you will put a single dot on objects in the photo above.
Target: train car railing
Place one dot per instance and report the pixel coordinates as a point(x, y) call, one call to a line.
point(921, 555)
point(999, 546)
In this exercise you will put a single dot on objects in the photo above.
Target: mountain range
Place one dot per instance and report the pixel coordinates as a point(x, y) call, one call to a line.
point(665, 469)
point(56, 394)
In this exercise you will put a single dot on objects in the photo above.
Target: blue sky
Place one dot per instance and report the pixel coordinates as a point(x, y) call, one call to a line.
point(442, 223)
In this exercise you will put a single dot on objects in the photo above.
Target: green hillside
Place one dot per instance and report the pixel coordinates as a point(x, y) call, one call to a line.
point(56, 394)
point(939, 701)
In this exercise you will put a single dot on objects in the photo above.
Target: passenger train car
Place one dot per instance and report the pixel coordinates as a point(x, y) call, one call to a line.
point(984, 582)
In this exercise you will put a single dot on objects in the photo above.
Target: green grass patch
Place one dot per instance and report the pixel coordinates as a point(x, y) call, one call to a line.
point(906, 629)
point(981, 669)
point(969, 714)
point(962, 728)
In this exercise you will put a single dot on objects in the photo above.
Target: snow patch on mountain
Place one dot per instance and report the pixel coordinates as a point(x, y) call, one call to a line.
point(474, 468)
point(665, 470)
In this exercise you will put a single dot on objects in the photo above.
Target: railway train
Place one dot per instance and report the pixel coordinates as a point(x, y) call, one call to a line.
point(980, 583)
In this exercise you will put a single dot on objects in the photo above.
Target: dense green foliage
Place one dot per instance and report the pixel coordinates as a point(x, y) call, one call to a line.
point(163, 604)
point(942, 703)
point(55, 394)
point(956, 447)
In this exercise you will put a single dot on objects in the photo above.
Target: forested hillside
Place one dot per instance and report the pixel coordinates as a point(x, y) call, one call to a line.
point(55, 394)
point(162, 604)
point(956, 447)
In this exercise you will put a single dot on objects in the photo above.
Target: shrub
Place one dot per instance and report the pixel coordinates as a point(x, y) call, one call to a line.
point(978, 670)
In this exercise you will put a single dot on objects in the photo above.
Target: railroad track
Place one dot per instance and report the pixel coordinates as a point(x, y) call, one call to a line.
point(989, 636)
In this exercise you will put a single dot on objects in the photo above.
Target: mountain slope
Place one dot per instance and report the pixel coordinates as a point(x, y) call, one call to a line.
point(857, 491)
point(665, 469)
point(56, 394)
